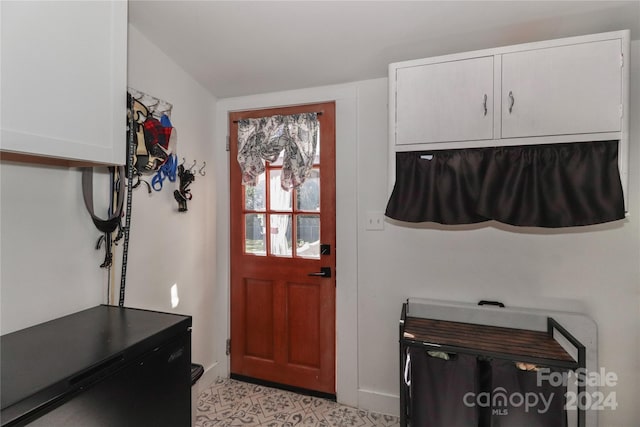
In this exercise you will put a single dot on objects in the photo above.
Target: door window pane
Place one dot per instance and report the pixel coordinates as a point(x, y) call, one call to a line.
point(308, 236)
point(280, 228)
point(316, 159)
point(308, 194)
point(254, 197)
point(255, 238)
point(279, 160)
point(279, 199)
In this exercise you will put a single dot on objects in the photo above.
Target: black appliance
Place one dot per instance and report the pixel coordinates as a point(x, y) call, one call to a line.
point(104, 366)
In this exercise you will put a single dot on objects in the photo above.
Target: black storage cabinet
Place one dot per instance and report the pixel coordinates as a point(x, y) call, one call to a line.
point(480, 360)
point(104, 366)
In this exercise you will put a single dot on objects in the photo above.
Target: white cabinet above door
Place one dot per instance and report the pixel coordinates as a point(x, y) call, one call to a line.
point(574, 89)
point(63, 80)
point(447, 101)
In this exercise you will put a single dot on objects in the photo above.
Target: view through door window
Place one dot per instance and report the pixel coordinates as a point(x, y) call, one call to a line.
point(283, 223)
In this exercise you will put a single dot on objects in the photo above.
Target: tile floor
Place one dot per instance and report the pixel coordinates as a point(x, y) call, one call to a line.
point(234, 403)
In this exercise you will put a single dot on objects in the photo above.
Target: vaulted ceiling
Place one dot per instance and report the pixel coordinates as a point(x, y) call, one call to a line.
point(236, 48)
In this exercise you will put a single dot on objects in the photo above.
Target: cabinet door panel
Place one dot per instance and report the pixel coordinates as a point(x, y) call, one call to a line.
point(445, 102)
point(562, 90)
point(64, 79)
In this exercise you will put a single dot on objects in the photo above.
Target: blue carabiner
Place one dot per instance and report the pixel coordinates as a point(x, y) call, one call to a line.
point(167, 170)
point(156, 181)
point(170, 167)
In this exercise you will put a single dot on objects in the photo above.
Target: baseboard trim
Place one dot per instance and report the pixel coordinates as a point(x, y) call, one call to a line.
point(382, 403)
point(298, 390)
point(208, 377)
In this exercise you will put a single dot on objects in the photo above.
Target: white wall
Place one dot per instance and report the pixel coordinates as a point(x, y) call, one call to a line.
point(593, 270)
point(49, 267)
point(168, 247)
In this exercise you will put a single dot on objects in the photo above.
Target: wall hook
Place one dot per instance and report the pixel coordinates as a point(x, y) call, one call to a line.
point(193, 166)
point(201, 171)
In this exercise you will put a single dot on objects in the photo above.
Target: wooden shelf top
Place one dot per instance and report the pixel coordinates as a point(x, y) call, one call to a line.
point(515, 344)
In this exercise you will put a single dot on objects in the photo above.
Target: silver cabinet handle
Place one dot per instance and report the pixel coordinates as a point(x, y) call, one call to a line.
point(512, 101)
point(484, 104)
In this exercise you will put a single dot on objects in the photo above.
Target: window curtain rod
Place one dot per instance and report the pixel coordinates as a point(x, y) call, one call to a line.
point(236, 121)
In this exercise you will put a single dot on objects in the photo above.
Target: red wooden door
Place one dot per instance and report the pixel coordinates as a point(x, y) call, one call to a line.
point(283, 316)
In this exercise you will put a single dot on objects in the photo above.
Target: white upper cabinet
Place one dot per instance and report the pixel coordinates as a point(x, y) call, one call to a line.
point(447, 101)
point(63, 76)
point(561, 90)
point(556, 91)
point(565, 90)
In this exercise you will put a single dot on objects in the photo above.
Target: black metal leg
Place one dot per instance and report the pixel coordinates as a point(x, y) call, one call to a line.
point(403, 388)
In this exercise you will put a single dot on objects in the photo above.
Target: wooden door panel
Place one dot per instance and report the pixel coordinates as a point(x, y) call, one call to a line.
point(259, 328)
point(303, 354)
point(303, 324)
point(282, 319)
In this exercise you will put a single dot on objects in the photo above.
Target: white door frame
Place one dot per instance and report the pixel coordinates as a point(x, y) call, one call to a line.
point(345, 97)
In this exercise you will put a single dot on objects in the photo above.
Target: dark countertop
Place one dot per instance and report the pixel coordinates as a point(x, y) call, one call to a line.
point(43, 362)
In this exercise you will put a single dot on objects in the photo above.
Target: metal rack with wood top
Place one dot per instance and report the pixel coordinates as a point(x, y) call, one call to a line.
point(491, 342)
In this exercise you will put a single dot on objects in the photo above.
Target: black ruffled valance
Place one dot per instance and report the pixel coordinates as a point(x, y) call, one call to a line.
point(551, 185)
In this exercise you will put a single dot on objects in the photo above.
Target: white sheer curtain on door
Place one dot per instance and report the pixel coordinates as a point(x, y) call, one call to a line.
point(280, 224)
